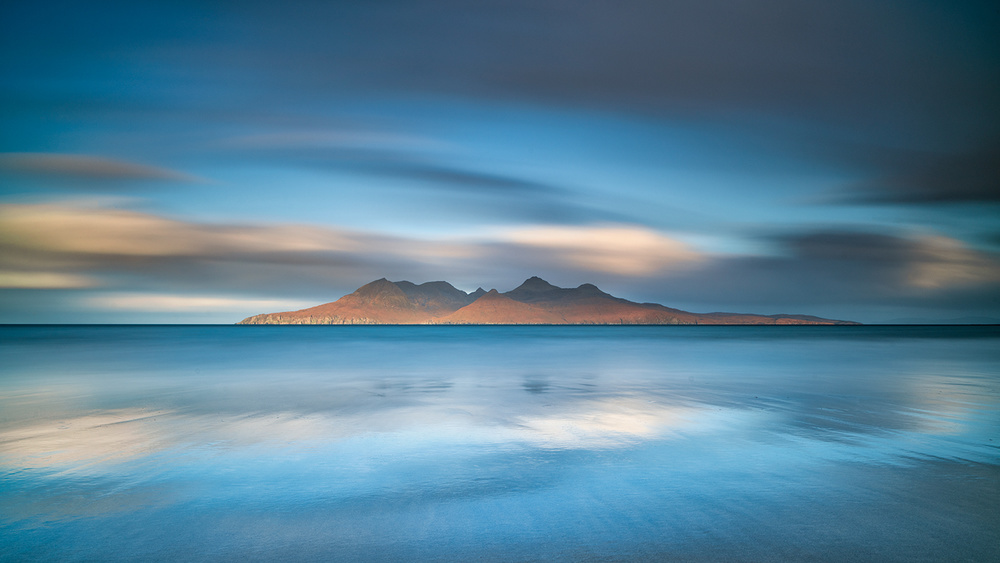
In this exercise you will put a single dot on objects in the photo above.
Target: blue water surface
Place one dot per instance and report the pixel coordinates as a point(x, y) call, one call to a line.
point(479, 443)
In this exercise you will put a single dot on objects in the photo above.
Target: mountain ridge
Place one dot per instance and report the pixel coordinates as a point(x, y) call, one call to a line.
point(535, 301)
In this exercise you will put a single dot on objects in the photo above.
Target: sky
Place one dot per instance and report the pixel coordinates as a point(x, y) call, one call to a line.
point(175, 162)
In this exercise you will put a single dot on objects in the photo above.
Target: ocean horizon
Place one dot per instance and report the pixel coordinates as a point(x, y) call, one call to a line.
point(499, 443)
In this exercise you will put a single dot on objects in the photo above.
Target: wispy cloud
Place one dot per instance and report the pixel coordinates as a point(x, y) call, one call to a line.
point(45, 280)
point(923, 262)
point(941, 262)
point(446, 177)
point(97, 238)
point(929, 178)
point(188, 303)
point(87, 167)
point(100, 231)
point(388, 154)
point(614, 249)
point(858, 269)
point(345, 139)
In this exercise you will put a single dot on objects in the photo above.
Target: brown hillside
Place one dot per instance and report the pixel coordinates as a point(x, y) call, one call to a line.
point(379, 302)
point(494, 308)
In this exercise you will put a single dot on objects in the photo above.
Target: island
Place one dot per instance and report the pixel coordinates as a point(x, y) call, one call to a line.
point(533, 302)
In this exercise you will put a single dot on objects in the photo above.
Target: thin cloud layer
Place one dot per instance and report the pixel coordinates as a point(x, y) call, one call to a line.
point(611, 249)
point(928, 178)
point(845, 60)
point(923, 262)
point(98, 231)
point(87, 167)
point(380, 153)
point(76, 240)
point(45, 280)
point(847, 271)
point(189, 303)
point(156, 253)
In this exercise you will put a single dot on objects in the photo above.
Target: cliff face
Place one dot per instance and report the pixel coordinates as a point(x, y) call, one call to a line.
point(533, 302)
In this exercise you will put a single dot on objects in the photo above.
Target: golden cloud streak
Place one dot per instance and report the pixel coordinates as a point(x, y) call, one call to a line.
point(188, 303)
point(613, 249)
point(79, 230)
point(89, 230)
point(45, 280)
point(945, 262)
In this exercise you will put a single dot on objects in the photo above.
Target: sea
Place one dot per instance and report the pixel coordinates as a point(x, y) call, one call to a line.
point(499, 443)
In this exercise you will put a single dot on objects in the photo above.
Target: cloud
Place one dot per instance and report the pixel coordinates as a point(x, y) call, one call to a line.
point(357, 139)
point(899, 73)
point(454, 178)
point(105, 237)
point(888, 71)
point(432, 177)
point(766, 54)
point(850, 63)
point(156, 263)
point(382, 153)
point(73, 243)
point(929, 178)
point(942, 262)
point(920, 262)
point(87, 167)
point(445, 190)
point(837, 270)
point(44, 280)
point(625, 250)
point(59, 228)
point(189, 303)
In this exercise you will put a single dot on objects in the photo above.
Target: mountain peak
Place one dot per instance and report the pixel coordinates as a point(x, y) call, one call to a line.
point(531, 287)
point(430, 288)
point(590, 289)
point(377, 287)
point(382, 292)
point(535, 281)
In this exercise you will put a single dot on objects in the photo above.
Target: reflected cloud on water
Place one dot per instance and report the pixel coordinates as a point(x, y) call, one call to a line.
point(443, 415)
point(594, 440)
point(88, 441)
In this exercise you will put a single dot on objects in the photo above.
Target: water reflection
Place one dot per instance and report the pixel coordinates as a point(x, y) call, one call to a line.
point(535, 384)
point(103, 438)
point(604, 444)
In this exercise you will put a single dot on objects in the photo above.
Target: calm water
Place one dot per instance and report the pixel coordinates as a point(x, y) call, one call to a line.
point(499, 443)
